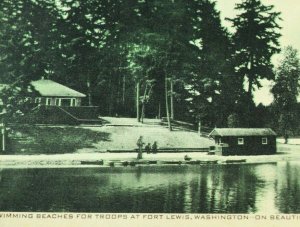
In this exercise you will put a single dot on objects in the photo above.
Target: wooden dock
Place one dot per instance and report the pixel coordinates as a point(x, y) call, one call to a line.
point(132, 162)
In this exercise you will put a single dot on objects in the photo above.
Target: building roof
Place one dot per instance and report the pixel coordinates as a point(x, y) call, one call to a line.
point(50, 88)
point(242, 132)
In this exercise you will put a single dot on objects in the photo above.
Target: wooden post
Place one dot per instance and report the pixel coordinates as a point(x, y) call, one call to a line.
point(199, 128)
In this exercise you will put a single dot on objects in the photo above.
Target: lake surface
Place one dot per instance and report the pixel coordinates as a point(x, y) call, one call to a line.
point(242, 188)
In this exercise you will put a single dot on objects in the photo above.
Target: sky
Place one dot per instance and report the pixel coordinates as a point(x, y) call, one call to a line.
point(290, 14)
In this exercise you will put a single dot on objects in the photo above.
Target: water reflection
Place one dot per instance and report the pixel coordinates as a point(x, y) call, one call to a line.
point(162, 189)
point(288, 188)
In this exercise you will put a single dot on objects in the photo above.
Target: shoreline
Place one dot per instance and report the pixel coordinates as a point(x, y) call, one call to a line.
point(285, 153)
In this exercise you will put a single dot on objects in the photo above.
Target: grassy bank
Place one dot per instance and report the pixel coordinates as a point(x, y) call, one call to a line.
point(52, 140)
point(118, 134)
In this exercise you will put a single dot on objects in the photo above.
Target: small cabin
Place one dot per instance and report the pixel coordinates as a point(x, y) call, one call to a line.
point(244, 141)
point(51, 93)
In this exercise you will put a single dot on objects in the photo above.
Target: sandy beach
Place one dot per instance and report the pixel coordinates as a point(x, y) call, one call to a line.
point(124, 149)
point(285, 153)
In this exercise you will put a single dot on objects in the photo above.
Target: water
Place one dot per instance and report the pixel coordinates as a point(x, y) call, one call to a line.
point(265, 188)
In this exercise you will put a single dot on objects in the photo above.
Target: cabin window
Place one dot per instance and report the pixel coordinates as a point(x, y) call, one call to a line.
point(73, 102)
point(240, 141)
point(66, 102)
point(264, 140)
point(48, 101)
point(38, 100)
point(57, 102)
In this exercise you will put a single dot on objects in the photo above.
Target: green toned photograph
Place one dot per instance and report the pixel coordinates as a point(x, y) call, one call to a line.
point(150, 106)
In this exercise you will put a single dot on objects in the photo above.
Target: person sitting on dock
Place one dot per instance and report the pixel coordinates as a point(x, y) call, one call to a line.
point(187, 158)
point(148, 148)
point(154, 147)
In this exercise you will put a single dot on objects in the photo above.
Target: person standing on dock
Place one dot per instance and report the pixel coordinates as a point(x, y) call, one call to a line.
point(140, 145)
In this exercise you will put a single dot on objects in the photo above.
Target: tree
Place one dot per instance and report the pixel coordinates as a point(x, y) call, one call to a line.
point(233, 121)
point(140, 62)
point(285, 91)
point(27, 48)
point(84, 32)
point(255, 41)
point(210, 80)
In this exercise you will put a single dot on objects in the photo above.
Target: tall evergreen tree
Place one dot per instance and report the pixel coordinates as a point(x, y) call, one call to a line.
point(210, 78)
point(286, 91)
point(255, 41)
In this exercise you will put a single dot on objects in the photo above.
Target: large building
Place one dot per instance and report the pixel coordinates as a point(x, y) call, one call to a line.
point(244, 141)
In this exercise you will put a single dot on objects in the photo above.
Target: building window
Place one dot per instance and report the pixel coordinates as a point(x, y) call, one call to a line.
point(73, 102)
point(66, 102)
point(38, 100)
point(48, 101)
point(264, 140)
point(240, 141)
point(57, 102)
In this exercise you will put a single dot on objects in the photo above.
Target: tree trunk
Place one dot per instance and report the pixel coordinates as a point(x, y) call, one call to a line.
point(286, 138)
point(250, 77)
point(3, 132)
point(88, 84)
point(143, 104)
point(109, 98)
point(119, 95)
point(172, 99)
point(138, 101)
point(250, 86)
point(167, 104)
point(159, 110)
point(124, 89)
point(199, 128)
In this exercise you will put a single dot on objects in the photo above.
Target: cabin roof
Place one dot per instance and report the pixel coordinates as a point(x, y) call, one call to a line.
point(54, 89)
point(242, 132)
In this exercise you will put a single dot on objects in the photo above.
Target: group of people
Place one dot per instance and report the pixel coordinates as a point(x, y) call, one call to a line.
point(151, 148)
point(148, 148)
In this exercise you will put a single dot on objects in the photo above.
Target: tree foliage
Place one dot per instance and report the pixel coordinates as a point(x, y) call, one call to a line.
point(286, 90)
point(106, 49)
point(255, 41)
